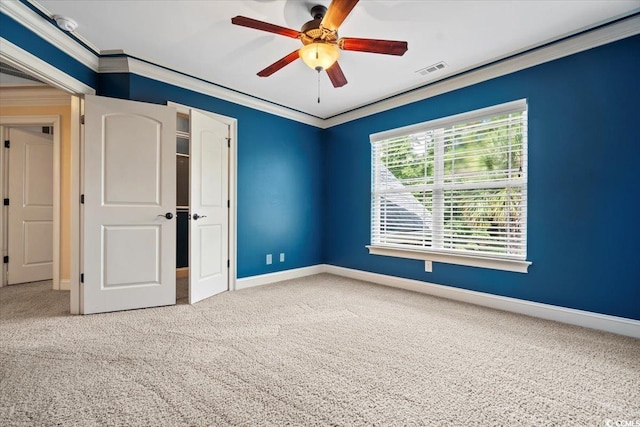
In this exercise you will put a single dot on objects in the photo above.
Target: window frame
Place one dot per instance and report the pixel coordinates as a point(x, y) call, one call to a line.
point(506, 263)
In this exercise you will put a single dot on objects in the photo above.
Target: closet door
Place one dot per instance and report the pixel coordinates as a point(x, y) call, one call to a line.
point(129, 231)
point(209, 228)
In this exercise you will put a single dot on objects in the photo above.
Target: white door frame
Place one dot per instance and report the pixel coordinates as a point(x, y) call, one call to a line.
point(43, 71)
point(233, 158)
point(14, 121)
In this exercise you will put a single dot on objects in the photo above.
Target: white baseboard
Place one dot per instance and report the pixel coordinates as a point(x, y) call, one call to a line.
point(264, 279)
point(587, 319)
point(65, 284)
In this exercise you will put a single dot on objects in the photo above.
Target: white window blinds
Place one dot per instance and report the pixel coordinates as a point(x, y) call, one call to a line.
point(456, 185)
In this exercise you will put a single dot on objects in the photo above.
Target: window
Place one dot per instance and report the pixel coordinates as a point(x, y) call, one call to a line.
point(454, 189)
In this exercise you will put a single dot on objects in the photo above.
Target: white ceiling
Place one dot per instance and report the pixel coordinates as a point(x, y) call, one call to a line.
point(196, 37)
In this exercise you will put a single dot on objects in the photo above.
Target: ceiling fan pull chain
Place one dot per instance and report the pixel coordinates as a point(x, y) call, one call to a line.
point(318, 69)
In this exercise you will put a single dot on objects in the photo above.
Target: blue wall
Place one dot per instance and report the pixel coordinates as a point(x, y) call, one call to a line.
point(21, 36)
point(279, 161)
point(584, 192)
point(306, 191)
point(279, 174)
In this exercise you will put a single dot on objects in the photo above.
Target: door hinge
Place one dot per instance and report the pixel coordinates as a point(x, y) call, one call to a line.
point(7, 144)
point(82, 199)
point(5, 202)
point(82, 278)
point(6, 259)
point(228, 263)
point(228, 142)
point(82, 119)
point(228, 203)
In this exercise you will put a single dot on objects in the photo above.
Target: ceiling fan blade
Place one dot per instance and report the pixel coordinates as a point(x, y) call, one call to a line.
point(336, 13)
point(265, 26)
point(279, 64)
point(387, 47)
point(336, 75)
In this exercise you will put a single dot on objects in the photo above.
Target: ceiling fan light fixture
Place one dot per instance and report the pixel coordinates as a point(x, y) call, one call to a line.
point(319, 55)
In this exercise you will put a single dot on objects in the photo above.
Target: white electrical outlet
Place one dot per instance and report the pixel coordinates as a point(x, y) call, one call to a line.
point(428, 266)
point(281, 256)
point(269, 259)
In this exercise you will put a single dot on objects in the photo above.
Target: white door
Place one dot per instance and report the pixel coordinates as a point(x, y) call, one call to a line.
point(129, 233)
point(209, 225)
point(30, 235)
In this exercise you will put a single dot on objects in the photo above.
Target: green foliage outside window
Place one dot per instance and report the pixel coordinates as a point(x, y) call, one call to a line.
point(479, 161)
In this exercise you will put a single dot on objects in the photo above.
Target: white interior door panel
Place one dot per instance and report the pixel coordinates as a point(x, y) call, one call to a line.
point(209, 225)
point(129, 233)
point(30, 234)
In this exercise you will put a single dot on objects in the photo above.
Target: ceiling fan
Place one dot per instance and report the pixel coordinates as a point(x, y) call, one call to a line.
point(322, 46)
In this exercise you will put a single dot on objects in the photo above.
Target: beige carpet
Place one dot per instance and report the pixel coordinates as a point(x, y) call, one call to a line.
point(322, 350)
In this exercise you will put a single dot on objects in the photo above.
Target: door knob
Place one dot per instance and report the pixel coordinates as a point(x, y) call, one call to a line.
point(196, 216)
point(168, 215)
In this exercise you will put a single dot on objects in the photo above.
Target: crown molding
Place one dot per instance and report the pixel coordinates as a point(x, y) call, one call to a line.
point(127, 64)
point(26, 17)
point(114, 64)
point(45, 72)
point(613, 32)
point(33, 96)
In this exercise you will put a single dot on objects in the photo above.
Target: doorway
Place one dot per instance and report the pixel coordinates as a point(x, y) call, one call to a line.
point(75, 187)
point(129, 204)
point(183, 158)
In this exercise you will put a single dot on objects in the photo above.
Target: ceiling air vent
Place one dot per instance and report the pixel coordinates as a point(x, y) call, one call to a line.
point(432, 68)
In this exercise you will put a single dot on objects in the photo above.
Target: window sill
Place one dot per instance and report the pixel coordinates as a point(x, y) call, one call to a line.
point(468, 260)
